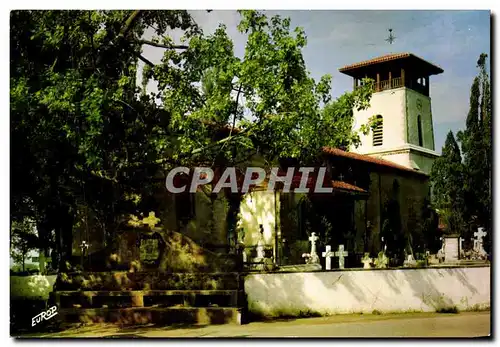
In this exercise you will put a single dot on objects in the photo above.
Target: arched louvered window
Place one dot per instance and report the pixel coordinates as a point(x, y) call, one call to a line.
point(420, 135)
point(378, 132)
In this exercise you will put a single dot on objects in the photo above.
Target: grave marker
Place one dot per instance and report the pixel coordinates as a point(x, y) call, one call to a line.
point(367, 261)
point(341, 253)
point(313, 256)
point(381, 261)
point(328, 254)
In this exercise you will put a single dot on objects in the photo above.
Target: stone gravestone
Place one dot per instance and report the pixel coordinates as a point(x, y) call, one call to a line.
point(367, 261)
point(381, 261)
point(478, 243)
point(260, 261)
point(328, 254)
point(462, 250)
point(410, 261)
point(341, 254)
point(261, 253)
point(451, 249)
point(312, 258)
point(440, 253)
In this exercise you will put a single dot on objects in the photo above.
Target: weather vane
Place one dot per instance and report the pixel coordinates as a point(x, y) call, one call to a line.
point(391, 37)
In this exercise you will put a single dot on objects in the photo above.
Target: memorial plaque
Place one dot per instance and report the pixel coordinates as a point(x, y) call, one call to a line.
point(451, 249)
point(150, 249)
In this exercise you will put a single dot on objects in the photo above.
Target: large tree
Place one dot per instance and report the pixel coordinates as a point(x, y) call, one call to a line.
point(448, 177)
point(477, 151)
point(267, 99)
point(85, 133)
point(82, 134)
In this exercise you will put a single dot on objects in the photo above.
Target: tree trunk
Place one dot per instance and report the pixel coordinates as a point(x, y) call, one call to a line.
point(234, 203)
point(64, 233)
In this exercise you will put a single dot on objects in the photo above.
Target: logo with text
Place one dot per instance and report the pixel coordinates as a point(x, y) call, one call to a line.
point(301, 180)
point(45, 315)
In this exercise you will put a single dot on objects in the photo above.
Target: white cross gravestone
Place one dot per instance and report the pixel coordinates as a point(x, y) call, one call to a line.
point(341, 253)
point(478, 243)
point(313, 238)
point(314, 258)
point(367, 261)
point(328, 254)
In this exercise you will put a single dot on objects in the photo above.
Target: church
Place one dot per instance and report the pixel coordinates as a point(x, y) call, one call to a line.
point(380, 189)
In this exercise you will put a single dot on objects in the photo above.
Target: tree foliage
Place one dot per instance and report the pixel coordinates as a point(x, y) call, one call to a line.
point(462, 188)
point(85, 133)
point(448, 177)
point(81, 132)
point(23, 240)
point(477, 151)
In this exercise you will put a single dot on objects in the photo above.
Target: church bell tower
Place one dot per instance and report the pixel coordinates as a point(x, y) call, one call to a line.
point(402, 104)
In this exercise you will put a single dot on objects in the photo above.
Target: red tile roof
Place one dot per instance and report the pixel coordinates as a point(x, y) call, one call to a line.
point(311, 183)
point(390, 57)
point(369, 159)
point(341, 185)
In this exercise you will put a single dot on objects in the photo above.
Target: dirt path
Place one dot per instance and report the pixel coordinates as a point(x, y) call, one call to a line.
point(467, 324)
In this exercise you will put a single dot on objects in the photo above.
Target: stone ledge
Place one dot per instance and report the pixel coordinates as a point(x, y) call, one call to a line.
point(380, 269)
point(146, 315)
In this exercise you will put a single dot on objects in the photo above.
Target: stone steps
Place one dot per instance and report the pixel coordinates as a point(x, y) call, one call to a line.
point(149, 297)
point(121, 280)
point(156, 315)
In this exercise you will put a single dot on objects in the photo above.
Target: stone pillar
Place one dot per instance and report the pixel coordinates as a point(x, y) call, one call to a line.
point(137, 300)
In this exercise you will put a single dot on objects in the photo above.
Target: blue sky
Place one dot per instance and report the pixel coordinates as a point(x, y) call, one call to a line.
point(452, 40)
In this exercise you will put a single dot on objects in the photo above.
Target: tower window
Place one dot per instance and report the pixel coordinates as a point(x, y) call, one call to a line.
point(420, 135)
point(378, 132)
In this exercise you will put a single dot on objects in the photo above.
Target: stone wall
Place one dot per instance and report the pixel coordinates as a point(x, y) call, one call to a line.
point(366, 291)
point(413, 189)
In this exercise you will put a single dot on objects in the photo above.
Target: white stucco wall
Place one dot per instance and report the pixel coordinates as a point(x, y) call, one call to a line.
point(31, 287)
point(400, 109)
point(391, 105)
point(363, 291)
point(258, 207)
point(399, 157)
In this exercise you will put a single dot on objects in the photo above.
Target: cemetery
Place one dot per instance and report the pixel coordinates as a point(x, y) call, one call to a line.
point(243, 188)
point(348, 251)
point(429, 287)
point(324, 283)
